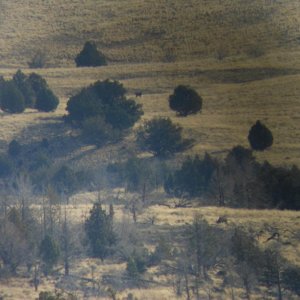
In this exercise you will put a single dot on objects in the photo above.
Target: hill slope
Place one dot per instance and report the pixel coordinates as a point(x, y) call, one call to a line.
point(146, 30)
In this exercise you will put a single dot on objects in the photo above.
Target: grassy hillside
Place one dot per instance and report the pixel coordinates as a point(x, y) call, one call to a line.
point(144, 31)
point(200, 43)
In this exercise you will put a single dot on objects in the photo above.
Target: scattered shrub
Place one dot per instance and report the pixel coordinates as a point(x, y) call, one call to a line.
point(260, 137)
point(185, 101)
point(161, 137)
point(90, 56)
point(38, 60)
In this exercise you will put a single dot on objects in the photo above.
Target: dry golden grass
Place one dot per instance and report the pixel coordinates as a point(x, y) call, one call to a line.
point(145, 30)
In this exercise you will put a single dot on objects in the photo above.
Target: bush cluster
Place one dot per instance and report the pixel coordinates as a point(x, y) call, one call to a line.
point(23, 92)
point(103, 111)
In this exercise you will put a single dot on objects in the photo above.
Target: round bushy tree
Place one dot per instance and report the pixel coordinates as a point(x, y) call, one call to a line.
point(12, 100)
point(45, 98)
point(90, 56)
point(103, 111)
point(161, 137)
point(46, 101)
point(260, 137)
point(185, 101)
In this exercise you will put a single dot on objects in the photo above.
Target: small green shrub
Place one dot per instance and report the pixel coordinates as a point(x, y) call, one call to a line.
point(38, 60)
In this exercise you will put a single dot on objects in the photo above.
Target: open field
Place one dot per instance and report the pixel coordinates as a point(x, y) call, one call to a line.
point(230, 107)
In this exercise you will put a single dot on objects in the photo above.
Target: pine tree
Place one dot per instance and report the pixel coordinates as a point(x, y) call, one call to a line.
point(100, 232)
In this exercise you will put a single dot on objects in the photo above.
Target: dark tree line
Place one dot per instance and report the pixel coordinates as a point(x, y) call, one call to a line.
point(239, 181)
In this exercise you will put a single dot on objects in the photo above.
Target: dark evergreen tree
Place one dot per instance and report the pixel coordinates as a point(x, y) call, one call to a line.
point(90, 56)
point(45, 98)
point(49, 252)
point(193, 178)
point(23, 84)
point(282, 185)
point(185, 101)
point(12, 100)
point(161, 137)
point(37, 82)
point(260, 137)
point(99, 230)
